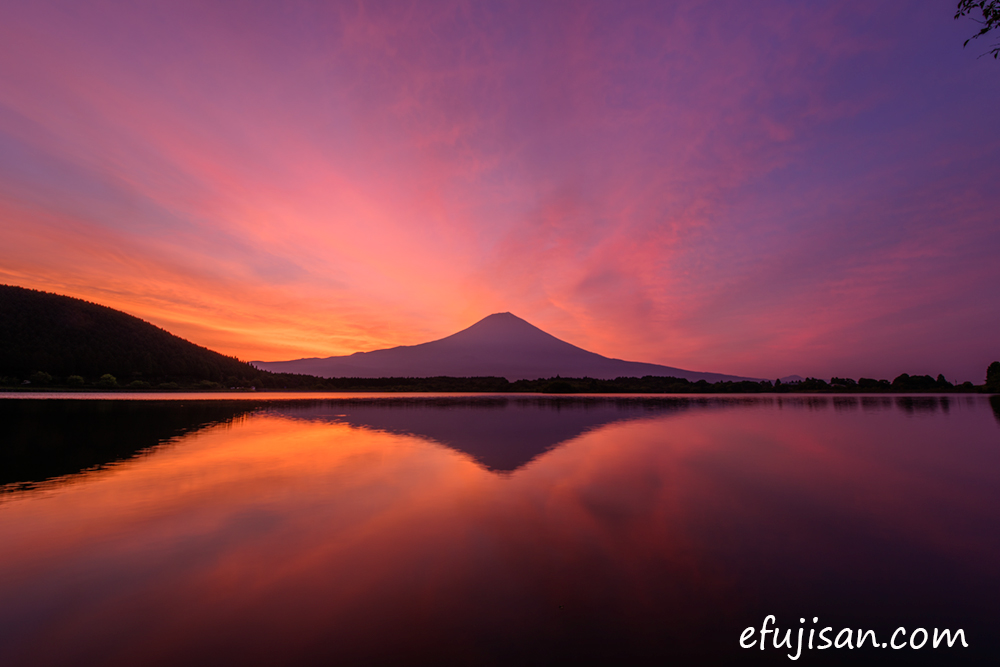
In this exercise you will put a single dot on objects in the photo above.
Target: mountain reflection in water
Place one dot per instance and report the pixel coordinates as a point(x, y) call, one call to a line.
point(49, 440)
point(502, 434)
point(495, 530)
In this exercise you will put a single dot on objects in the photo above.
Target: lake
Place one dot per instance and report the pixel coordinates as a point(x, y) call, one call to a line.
point(206, 529)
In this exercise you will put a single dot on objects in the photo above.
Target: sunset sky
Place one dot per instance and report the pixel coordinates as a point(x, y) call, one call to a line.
point(750, 188)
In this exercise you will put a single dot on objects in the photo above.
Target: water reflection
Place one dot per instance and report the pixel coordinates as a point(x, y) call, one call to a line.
point(913, 404)
point(501, 433)
point(845, 402)
point(872, 403)
point(49, 439)
point(368, 532)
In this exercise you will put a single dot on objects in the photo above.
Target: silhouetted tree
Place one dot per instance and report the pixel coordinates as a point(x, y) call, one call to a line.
point(990, 10)
point(993, 377)
point(558, 387)
point(871, 383)
point(812, 384)
point(908, 383)
point(41, 378)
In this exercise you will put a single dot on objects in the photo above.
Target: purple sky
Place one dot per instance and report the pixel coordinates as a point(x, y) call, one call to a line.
point(750, 188)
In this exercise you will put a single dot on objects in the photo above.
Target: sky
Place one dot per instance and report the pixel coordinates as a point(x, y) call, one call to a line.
point(760, 189)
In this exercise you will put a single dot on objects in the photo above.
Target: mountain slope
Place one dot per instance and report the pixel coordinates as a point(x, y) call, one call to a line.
point(501, 345)
point(64, 336)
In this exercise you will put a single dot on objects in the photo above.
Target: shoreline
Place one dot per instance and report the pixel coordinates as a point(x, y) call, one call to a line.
point(249, 394)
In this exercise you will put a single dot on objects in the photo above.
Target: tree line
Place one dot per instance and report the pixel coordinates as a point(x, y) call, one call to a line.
point(649, 384)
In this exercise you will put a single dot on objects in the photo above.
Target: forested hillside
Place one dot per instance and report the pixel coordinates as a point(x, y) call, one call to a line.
point(59, 336)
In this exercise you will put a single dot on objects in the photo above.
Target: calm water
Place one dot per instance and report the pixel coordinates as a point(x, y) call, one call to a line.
point(494, 530)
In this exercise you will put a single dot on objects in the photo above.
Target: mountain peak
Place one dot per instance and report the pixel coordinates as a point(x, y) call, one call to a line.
point(504, 329)
point(502, 317)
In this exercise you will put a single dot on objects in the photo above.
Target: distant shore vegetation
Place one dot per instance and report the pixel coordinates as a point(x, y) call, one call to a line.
point(265, 381)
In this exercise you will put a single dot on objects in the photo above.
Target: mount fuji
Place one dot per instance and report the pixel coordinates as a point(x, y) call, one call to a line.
point(500, 345)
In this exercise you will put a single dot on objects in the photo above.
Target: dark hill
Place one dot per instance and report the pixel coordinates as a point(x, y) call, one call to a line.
point(63, 336)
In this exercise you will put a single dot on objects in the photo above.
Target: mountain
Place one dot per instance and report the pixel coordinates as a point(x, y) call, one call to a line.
point(501, 345)
point(63, 336)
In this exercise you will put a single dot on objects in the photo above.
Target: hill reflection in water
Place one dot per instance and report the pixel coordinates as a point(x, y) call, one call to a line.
point(45, 440)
